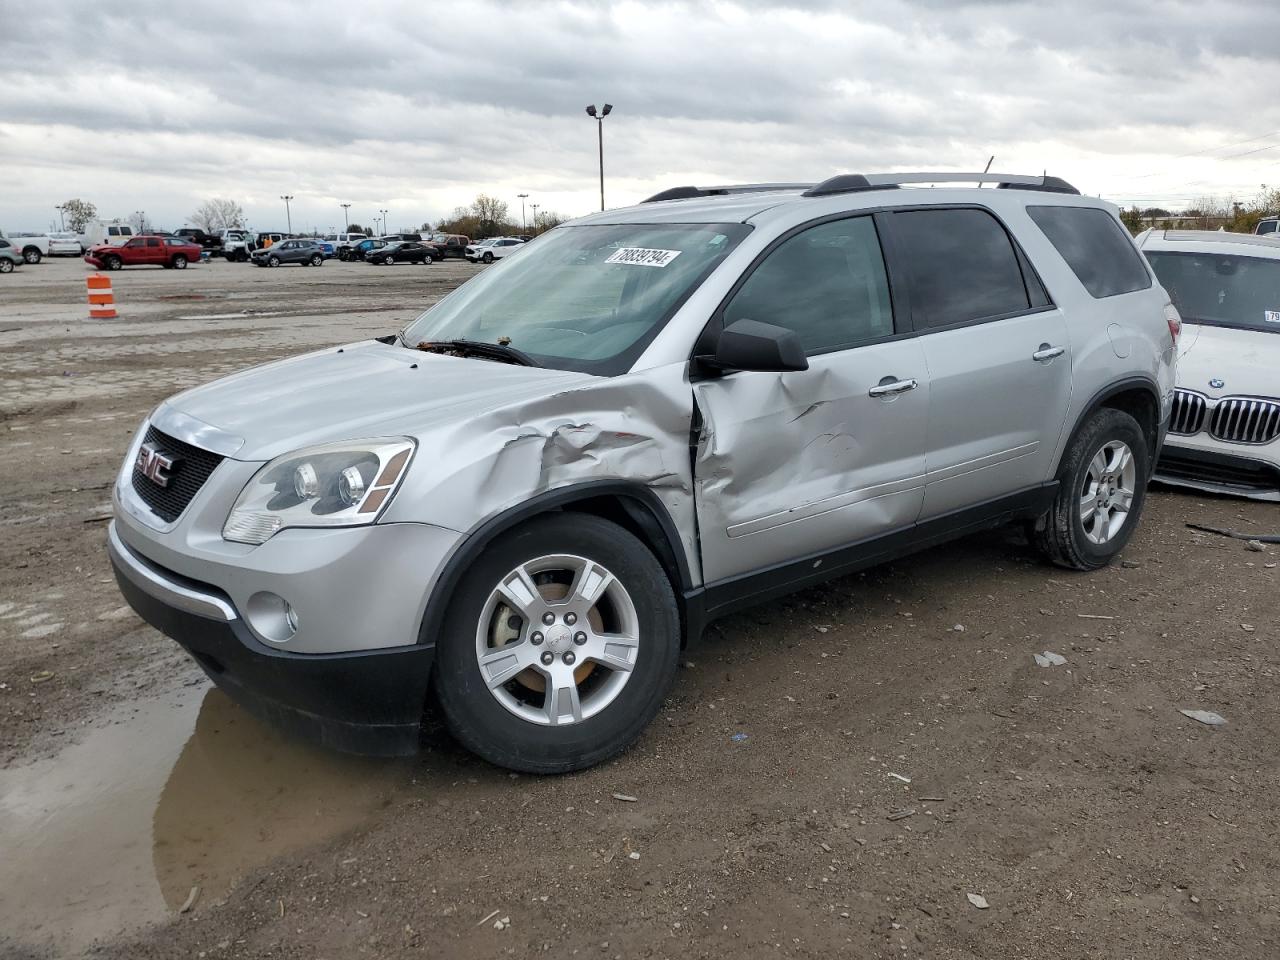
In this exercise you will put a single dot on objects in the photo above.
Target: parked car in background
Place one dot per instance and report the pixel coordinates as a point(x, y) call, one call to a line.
point(238, 244)
point(10, 256)
point(269, 237)
point(450, 245)
point(145, 250)
point(523, 505)
point(97, 232)
point(360, 250)
point(1224, 435)
point(392, 237)
point(207, 241)
point(64, 243)
point(343, 242)
point(306, 253)
point(402, 252)
point(34, 247)
point(494, 249)
point(1268, 226)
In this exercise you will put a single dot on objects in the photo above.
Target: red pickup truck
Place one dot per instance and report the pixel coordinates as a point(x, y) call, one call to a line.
point(167, 252)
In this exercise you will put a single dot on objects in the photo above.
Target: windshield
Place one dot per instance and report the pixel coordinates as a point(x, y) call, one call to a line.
point(587, 298)
point(1223, 290)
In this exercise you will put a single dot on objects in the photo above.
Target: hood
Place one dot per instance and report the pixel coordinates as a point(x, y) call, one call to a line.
point(1244, 360)
point(362, 390)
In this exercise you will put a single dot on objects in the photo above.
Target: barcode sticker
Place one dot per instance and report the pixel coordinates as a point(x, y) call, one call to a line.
point(642, 256)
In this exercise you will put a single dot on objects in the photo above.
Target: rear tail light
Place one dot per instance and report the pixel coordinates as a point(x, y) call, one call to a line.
point(1174, 319)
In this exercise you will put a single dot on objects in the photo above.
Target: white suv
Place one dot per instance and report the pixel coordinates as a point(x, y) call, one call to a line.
point(1224, 435)
point(495, 248)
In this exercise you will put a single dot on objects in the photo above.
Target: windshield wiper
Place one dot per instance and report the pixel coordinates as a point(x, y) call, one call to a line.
point(477, 348)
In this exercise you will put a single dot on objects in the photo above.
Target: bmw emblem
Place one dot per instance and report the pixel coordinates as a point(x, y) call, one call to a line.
point(1217, 383)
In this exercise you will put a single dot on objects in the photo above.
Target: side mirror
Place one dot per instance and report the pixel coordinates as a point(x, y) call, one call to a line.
point(751, 345)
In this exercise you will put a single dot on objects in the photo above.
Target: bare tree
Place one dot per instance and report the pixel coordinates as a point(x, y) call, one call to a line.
point(492, 215)
point(78, 213)
point(219, 214)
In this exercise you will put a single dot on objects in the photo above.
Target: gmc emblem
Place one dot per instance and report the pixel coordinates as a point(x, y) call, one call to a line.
point(153, 464)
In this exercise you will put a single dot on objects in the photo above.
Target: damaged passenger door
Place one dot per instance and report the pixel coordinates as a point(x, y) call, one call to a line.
point(792, 464)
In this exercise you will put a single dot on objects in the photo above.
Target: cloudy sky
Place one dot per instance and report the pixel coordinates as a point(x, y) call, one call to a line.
point(417, 107)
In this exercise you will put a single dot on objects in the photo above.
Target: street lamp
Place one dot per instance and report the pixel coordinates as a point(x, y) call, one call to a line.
point(287, 214)
point(384, 220)
point(61, 216)
point(524, 225)
point(535, 217)
point(599, 118)
point(346, 218)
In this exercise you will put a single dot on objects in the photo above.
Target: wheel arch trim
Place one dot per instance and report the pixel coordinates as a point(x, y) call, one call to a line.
point(642, 505)
point(1099, 400)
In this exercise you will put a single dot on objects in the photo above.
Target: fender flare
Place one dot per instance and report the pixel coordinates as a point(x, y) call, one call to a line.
point(642, 505)
point(1100, 399)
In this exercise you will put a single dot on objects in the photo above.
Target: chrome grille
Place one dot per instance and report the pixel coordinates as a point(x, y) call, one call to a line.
point(1188, 413)
point(191, 468)
point(1245, 420)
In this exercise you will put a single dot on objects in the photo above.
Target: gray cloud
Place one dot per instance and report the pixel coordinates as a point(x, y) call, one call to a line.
point(423, 106)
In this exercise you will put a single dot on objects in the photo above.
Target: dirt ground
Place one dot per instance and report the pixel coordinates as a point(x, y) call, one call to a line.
point(834, 774)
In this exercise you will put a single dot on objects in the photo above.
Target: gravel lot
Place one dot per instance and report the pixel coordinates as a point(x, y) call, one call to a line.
point(835, 774)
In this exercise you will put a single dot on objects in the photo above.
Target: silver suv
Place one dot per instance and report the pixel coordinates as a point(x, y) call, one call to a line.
point(525, 503)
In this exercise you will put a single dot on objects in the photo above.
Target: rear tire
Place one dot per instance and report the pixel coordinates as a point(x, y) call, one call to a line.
point(599, 710)
point(31, 255)
point(316, 260)
point(1102, 486)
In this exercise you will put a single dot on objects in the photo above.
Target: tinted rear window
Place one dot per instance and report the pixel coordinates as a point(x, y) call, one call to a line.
point(1096, 248)
point(963, 266)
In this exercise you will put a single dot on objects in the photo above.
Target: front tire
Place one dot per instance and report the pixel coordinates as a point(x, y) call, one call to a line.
point(113, 263)
point(6, 266)
point(487, 258)
point(1102, 486)
point(559, 645)
point(273, 261)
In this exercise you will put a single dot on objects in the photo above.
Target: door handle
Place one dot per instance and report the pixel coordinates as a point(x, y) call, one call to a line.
point(889, 387)
point(1047, 352)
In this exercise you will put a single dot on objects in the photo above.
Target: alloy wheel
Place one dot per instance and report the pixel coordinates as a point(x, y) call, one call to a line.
point(557, 639)
point(1108, 491)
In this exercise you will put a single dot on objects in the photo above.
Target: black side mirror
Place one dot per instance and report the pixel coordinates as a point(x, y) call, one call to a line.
point(751, 345)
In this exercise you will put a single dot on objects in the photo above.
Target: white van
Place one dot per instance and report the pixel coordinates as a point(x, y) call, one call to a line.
point(97, 232)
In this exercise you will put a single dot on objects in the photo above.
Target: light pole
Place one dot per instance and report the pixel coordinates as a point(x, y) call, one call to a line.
point(535, 217)
point(599, 118)
point(384, 220)
point(288, 215)
point(346, 218)
point(61, 217)
point(524, 225)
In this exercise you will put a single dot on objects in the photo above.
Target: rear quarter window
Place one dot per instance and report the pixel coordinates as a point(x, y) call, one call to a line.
point(1096, 248)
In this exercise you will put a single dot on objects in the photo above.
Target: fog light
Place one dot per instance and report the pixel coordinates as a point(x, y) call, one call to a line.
point(271, 617)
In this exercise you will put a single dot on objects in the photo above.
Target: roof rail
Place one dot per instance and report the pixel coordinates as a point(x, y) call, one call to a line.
point(687, 193)
point(853, 182)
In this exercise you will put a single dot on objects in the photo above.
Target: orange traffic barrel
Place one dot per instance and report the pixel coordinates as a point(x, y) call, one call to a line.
point(102, 302)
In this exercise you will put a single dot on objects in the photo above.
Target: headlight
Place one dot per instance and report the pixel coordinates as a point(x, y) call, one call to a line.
point(334, 485)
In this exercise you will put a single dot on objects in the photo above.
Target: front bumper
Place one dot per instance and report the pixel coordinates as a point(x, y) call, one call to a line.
point(93, 260)
point(1197, 464)
point(368, 701)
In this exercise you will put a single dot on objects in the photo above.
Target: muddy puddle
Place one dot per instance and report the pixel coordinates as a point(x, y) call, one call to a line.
point(181, 792)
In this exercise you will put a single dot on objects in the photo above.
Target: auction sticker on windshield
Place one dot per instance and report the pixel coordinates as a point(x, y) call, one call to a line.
point(643, 256)
point(1271, 316)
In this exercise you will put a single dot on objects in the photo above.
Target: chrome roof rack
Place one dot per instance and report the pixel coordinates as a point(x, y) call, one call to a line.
point(855, 182)
point(858, 182)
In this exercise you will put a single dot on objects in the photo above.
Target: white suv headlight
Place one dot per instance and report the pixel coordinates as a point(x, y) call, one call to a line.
point(333, 485)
